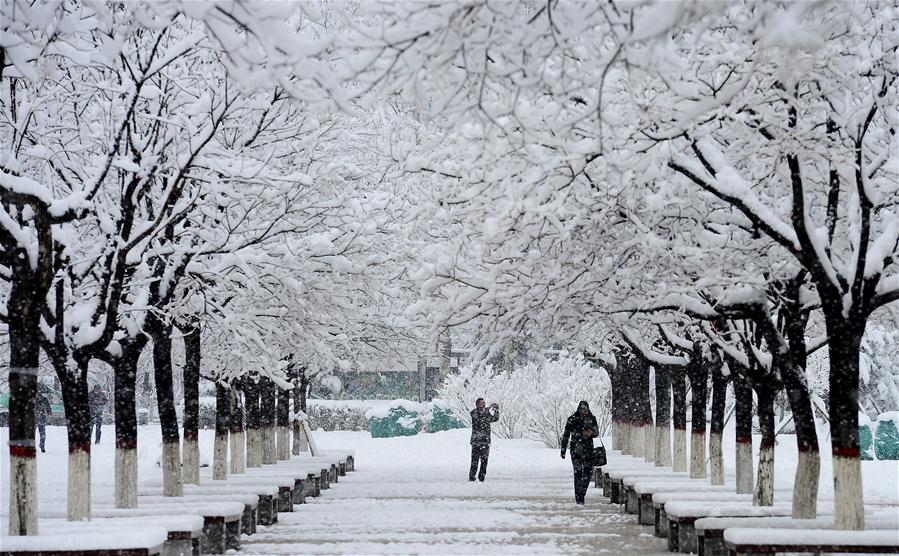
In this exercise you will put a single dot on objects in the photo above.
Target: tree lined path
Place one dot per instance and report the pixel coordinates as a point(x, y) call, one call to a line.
point(410, 495)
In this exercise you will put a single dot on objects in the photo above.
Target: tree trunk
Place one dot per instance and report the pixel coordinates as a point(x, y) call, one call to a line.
point(190, 470)
point(646, 429)
point(716, 428)
point(843, 347)
point(126, 470)
point(268, 418)
point(283, 424)
point(24, 352)
point(743, 411)
point(238, 434)
point(254, 436)
point(805, 487)
point(222, 424)
point(679, 420)
point(75, 401)
point(165, 402)
point(764, 490)
point(662, 448)
point(698, 375)
point(300, 445)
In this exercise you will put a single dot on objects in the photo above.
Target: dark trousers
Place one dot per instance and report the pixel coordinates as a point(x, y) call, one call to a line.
point(479, 455)
point(42, 433)
point(97, 422)
point(582, 472)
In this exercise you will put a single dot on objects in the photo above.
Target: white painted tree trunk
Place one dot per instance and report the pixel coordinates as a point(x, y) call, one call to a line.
point(238, 452)
point(190, 470)
point(625, 439)
point(171, 469)
point(22, 495)
point(220, 458)
point(744, 468)
point(697, 456)
point(805, 488)
point(297, 447)
point(283, 443)
point(616, 435)
point(679, 453)
point(848, 495)
point(125, 478)
point(663, 446)
point(79, 495)
point(269, 449)
point(254, 447)
point(716, 458)
point(649, 442)
point(764, 489)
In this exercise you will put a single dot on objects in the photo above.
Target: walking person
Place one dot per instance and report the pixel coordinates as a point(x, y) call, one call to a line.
point(481, 418)
point(97, 401)
point(42, 412)
point(580, 430)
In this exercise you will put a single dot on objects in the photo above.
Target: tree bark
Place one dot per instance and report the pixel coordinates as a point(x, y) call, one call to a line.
point(125, 372)
point(254, 440)
point(679, 419)
point(843, 346)
point(75, 401)
point(165, 402)
point(283, 424)
point(646, 429)
point(190, 469)
point(716, 427)
point(743, 416)
point(238, 433)
point(222, 424)
point(662, 446)
point(698, 374)
point(299, 406)
point(764, 490)
point(267, 420)
point(23, 309)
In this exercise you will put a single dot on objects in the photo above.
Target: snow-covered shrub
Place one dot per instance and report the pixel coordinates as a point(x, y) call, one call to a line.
point(441, 417)
point(336, 417)
point(886, 439)
point(402, 418)
point(535, 400)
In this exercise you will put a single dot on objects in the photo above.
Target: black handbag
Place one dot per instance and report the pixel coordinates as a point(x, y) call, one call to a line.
point(599, 456)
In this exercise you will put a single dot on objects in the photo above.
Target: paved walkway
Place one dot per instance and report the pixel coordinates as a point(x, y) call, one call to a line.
point(433, 510)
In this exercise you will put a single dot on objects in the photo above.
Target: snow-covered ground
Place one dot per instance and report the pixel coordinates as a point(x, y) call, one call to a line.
point(411, 494)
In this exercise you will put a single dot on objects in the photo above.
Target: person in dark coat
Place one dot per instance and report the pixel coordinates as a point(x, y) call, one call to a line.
point(42, 412)
point(97, 401)
point(580, 430)
point(481, 418)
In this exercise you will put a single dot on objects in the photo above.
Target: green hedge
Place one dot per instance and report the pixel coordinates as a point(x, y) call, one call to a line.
point(866, 442)
point(404, 420)
point(886, 441)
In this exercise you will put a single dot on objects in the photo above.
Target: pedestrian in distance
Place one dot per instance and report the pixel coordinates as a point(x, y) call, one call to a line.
point(481, 417)
point(97, 401)
point(580, 430)
point(42, 412)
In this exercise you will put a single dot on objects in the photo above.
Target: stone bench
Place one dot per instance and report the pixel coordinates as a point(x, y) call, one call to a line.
point(346, 459)
point(682, 516)
point(631, 498)
point(710, 530)
point(615, 479)
point(81, 541)
point(750, 541)
point(221, 517)
point(251, 496)
point(645, 489)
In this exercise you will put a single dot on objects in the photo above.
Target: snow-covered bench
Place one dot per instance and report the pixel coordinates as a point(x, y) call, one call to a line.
point(645, 489)
point(710, 530)
point(632, 498)
point(102, 541)
point(221, 518)
point(749, 541)
point(251, 496)
point(298, 477)
point(615, 479)
point(346, 459)
point(682, 516)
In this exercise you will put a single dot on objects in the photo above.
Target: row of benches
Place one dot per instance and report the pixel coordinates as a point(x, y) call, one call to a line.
point(697, 517)
point(210, 518)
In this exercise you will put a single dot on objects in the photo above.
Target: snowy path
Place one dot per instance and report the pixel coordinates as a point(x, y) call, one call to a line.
point(411, 495)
